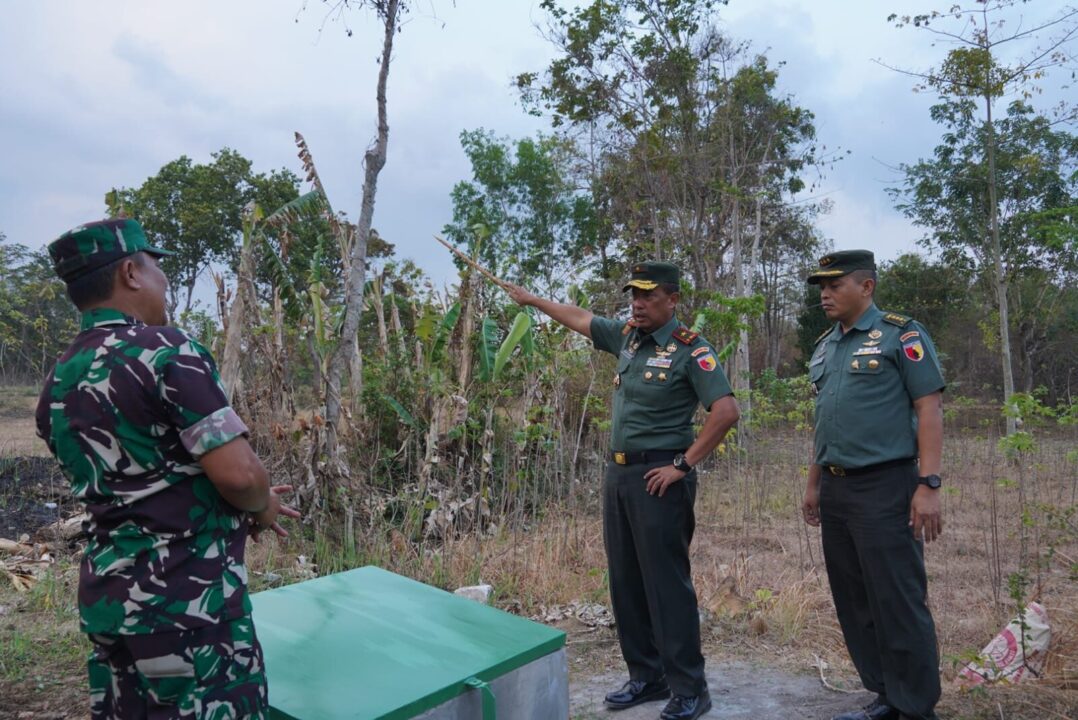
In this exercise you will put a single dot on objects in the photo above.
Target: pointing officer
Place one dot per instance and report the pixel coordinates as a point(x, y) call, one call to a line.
point(873, 485)
point(664, 372)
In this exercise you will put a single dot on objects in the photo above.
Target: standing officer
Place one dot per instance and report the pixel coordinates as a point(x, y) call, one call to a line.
point(874, 483)
point(135, 414)
point(664, 371)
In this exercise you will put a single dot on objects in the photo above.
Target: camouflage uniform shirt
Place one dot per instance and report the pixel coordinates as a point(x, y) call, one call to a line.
point(127, 411)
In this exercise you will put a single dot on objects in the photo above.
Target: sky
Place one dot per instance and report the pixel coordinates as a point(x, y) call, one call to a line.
point(103, 94)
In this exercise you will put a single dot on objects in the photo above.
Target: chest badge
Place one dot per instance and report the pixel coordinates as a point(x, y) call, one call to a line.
point(662, 376)
point(617, 380)
point(648, 375)
point(871, 343)
point(876, 334)
point(659, 362)
point(671, 348)
point(856, 364)
point(873, 364)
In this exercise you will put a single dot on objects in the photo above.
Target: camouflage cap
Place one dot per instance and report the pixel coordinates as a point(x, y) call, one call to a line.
point(649, 275)
point(81, 250)
point(843, 262)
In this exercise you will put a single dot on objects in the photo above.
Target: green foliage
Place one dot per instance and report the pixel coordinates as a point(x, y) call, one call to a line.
point(521, 214)
point(36, 317)
point(778, 402)
point(196, 211)
point(522, 325)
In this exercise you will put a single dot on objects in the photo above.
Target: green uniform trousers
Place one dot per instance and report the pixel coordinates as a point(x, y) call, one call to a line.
point(647, 550)
point(877, 574)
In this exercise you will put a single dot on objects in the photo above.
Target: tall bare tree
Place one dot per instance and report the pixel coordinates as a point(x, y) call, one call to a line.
point(976, 68)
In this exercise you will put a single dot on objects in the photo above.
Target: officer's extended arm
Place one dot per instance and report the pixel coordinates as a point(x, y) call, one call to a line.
point(571, 316)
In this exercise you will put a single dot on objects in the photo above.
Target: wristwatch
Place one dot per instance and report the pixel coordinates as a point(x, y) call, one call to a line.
point(932, 481)
point(680, 463)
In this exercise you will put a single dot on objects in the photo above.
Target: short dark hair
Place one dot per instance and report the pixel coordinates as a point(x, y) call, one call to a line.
point(863, 274)
point(97, 286)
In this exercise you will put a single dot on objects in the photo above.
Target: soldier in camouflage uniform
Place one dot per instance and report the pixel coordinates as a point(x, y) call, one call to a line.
point(136, 416)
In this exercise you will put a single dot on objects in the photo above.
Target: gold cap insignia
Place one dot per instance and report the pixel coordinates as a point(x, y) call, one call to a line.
point(826, 260)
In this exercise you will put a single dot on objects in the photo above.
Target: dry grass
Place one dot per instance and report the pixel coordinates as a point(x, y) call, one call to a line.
point(758, 568)
point(18, 436)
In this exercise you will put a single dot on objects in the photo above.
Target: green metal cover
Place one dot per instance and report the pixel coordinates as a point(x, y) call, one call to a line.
point(371, 644)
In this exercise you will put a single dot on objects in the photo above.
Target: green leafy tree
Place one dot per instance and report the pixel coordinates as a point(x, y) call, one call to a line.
point(1029, 196)
point(535, 225)
point(196, 211)
point(36, 318)
point(985, 66)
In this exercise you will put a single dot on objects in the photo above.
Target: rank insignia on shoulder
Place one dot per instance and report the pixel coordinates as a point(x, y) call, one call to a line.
point(824, 334)
point(700, 351)
point(896, 319)
point(685, 336)
point(910, 334)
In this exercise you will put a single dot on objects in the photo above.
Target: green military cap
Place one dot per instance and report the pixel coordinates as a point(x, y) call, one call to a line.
point(81, 250)
point(843, 262)
point(649, 275)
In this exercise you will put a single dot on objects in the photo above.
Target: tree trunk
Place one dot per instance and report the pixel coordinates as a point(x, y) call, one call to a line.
point(244, 303)
point(1001, 276)
point(374, 161)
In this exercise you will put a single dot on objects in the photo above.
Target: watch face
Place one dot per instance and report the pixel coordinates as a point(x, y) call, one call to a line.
point(932, 481)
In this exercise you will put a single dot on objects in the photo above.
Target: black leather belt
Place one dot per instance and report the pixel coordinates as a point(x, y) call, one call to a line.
point(643, 457)
point(845, 472)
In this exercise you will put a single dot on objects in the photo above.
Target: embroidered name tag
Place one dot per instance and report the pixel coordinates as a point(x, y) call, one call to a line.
point(659, 362)
point(867, 351)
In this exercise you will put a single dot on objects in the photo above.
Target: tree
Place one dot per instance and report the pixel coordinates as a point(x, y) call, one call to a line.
point(1028, 194)
point(974, 69)
point(36, 317)
point(534, 223)
point(389, 13)
point(196, 211)
point(695, 154)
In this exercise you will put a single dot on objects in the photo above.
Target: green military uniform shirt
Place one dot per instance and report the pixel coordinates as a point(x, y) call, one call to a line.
point(866, 381)
point(659, 381)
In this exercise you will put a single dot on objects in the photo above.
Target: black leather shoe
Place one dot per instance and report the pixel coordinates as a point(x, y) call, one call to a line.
point(686, 707)
point(635, 692)
point(875, 710)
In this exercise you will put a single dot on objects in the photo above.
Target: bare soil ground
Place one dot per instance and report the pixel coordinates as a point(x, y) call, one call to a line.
point(769, 624)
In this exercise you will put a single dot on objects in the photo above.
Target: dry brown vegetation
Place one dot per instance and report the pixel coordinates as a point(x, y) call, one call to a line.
point(758, 568)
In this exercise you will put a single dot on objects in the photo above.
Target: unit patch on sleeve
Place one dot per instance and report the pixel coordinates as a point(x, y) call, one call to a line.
point(707, 363)
point(700, 350)
point(914, 350)
point(910, 334)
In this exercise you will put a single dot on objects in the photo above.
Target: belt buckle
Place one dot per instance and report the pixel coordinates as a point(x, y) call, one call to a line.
point(837, 471)
point(620, 459)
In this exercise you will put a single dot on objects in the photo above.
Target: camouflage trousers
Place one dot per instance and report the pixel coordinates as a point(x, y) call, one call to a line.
point(211, 673)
